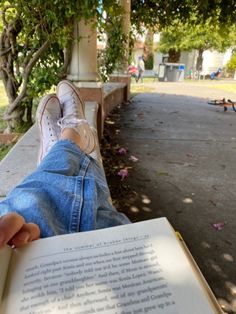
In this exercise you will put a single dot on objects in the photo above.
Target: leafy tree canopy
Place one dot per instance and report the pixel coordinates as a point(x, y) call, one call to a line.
point(186, 36)
point(206, 35)
point(34, 36)
point(159, 14)
point(231, 65)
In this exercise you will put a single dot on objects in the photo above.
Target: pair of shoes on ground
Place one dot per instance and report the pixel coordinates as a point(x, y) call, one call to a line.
point(65, 109)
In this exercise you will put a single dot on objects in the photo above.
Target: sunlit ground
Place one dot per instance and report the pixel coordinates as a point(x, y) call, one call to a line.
point(3, 103)
point(145, 87)
point(225, 87)
point(150, 85)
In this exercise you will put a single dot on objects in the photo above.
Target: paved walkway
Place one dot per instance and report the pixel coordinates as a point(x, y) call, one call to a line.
point(187, 172)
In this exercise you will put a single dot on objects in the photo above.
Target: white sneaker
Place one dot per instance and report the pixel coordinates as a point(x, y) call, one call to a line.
point(48, 113)
point(73, 114)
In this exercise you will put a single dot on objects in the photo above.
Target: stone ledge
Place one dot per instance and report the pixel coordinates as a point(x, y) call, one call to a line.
point(109, 88)
point(20, 161)
point(114, 94)
point(22, 158)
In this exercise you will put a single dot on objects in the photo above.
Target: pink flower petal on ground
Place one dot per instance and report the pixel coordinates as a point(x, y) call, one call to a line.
point(219, 225)
point(123, 173)
point(122, 151)
point(133, 158)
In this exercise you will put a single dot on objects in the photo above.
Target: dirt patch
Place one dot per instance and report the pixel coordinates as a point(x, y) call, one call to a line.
point(9, 138)
point(7, 141)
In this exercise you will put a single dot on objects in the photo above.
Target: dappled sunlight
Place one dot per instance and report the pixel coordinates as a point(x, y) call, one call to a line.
point(231, 287)
point(170, 263)
point(227, 307)
point(228, 257)
point(142, 88)
point(225, 87)
point(139, 198)
point(227, 304)
point(217, 268)
point(205, 245)
point(3, 96)
point(182, 173)
point(183, 285)
point(145, 199)
point(146, 209)
point(134, 209)
point(187, 200)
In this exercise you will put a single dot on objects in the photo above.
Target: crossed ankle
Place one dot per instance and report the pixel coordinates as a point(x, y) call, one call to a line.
point(71, 122)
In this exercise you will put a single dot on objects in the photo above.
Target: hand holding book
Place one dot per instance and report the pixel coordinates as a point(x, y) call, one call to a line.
point(14, 230)
point(137, 268)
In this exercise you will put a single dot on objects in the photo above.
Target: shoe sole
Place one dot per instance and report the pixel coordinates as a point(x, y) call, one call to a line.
point(72, 86)
point(90, 147)
point(39, 114)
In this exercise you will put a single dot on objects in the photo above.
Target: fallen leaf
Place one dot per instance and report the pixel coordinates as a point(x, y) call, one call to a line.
point(133, 158)
point(212, 202)
point(123, 173)
point(163, 173)
point(122, 151)
point(219, 225)
point(109, 122)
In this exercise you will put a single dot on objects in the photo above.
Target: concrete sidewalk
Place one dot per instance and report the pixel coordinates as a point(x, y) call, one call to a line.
point(187, 172)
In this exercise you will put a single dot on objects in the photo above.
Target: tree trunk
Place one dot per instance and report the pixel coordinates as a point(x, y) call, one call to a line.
point(199, 60)
point(174, 56)
point(16, 120)
point(29, 114)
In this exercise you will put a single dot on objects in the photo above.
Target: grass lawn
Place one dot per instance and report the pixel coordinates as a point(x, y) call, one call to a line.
point(145, 87)
point(223, 84)
point(4, 149)
point(225, 87)
point(150, 85)
point(3, 102)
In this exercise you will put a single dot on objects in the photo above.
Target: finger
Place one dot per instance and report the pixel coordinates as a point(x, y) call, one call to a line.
point(10, 224)
point(29, 232)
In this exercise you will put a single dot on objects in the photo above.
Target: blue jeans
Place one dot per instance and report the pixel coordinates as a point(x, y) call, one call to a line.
point(67, 193)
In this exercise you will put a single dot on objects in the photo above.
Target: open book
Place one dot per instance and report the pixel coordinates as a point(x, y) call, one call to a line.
point(131, 269)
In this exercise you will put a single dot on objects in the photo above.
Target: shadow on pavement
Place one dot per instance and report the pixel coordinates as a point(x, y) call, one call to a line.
point(174, 156)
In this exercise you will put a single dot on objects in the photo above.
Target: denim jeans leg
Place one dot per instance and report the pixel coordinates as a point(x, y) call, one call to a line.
point(67, 193)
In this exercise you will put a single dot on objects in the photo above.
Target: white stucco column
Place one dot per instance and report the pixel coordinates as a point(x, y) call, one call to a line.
point(122, 75)
point(83, 65)
point(126, 5)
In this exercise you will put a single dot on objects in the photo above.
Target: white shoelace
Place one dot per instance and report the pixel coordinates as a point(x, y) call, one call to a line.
point(53, 136)
point(70, 121)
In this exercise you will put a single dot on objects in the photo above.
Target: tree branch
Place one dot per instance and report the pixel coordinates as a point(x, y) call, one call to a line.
point(3, 53)
point(26, 75)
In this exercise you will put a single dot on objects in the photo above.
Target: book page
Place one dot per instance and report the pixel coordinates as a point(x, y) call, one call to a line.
point(131, 269)
point(5, 256)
